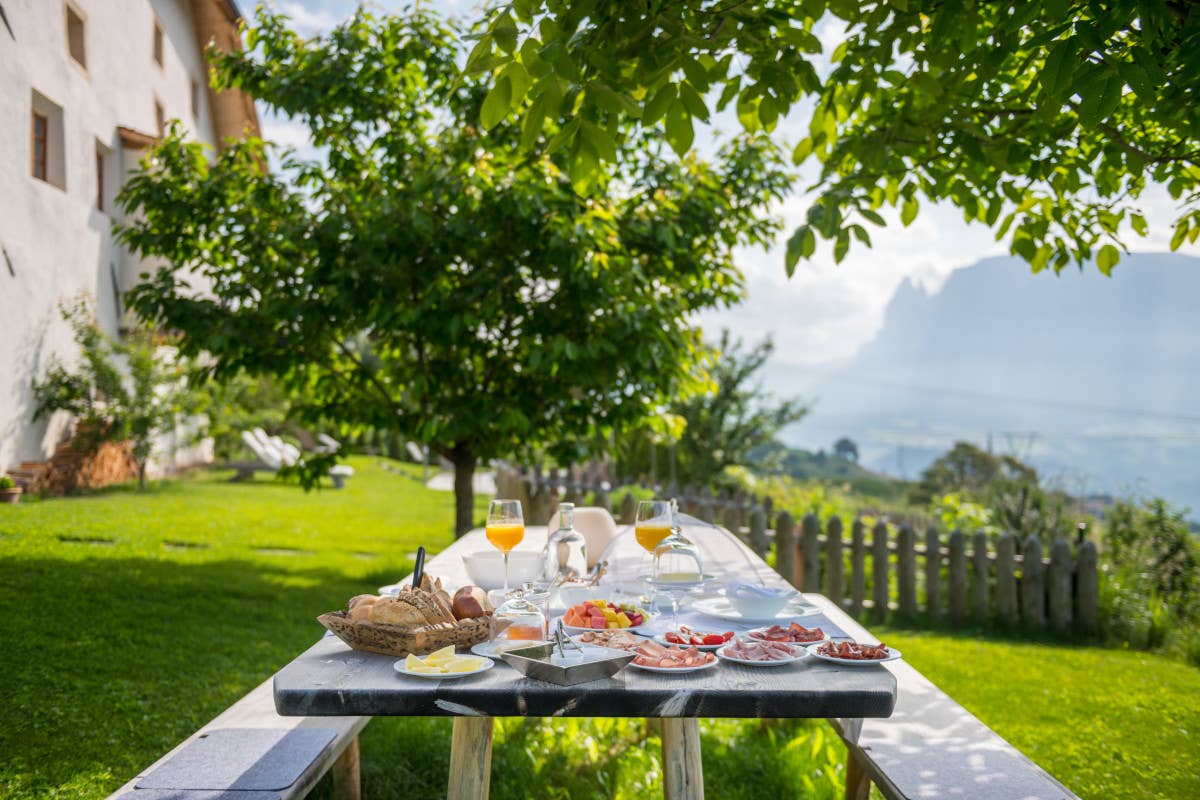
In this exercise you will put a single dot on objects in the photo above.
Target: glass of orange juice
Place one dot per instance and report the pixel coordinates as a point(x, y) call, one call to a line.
point(505, 529)
point(653, 523)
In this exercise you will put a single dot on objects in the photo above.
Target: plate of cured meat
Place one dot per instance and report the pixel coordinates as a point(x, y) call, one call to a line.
point(853, 654)
point(794, 633)
point(654, 657)
point(757, 653)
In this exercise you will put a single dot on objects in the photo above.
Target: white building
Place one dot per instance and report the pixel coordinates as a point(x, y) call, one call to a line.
point(85, 87)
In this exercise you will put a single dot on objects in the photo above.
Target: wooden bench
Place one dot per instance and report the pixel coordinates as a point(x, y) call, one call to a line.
point(246, 749)
point(931, 747)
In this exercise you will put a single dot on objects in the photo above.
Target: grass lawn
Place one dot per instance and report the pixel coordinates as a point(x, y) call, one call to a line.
point(130, 619)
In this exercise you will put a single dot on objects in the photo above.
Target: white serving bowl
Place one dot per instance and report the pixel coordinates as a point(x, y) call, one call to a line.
point(486, 568)
point(760, 606)
point(574, 595)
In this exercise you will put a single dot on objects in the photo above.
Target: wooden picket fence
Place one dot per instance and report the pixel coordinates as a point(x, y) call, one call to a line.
point(881, 570)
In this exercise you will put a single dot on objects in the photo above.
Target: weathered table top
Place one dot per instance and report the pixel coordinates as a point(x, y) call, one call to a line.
point(331, 679)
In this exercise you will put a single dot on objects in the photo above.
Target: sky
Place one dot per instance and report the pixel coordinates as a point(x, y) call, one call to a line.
point(826, 311)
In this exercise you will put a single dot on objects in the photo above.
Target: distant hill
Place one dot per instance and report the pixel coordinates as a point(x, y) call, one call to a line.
point(777, 458)
point(1095, 380)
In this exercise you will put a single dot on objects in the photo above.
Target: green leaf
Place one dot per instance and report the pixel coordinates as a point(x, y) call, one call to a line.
point(531, 126)
point(657, 106)
point(519, 80)
point(1181, 231)
point(504, 31)
point(1059, 67)
point(801, 39)
point(565, 135)
point(908, 212)
point(728, 93)
point(599, 141)
point(841, 247)
point(802, 244)
point(747, 111)
point(679, 128)
point(1107, 258)
point(693, 101)
point(481, 50)
point(496, 104)
point(1139, 224)
point(803, 151)
point(872, 217)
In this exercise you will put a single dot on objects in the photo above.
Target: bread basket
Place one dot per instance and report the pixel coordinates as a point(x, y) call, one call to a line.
point(400, 640)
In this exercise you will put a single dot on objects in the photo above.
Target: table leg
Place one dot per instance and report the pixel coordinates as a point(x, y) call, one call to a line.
point(858, 782)
point(683, 769)
point(470, 759)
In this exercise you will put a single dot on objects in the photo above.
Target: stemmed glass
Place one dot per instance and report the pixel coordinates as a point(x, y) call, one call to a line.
point(677, 571)
point(505, 529)
point(653, 523)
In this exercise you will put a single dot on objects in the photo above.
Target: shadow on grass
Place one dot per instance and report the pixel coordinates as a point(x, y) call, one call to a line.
point(109, 662)
point(993, 631)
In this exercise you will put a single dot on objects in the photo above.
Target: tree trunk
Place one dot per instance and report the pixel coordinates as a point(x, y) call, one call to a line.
point(141, 476)
point(464, 490)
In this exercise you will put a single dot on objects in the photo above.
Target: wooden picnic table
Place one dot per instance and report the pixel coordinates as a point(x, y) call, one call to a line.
point(330, 679)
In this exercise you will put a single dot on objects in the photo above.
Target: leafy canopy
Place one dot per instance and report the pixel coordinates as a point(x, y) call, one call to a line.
point(432, 278)
point(1044, 121)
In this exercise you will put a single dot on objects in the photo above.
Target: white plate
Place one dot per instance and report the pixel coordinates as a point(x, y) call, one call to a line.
point(750, 635)
point(893, 655)
point(484, 666)
point(801, 654)
point(722, 608)
point(662, 639)
point(488, 649)
point(709, 665)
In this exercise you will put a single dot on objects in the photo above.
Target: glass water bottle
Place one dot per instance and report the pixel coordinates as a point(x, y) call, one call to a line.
point(565, 557)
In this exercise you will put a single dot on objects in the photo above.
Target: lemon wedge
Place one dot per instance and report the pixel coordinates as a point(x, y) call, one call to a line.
point(439, 657)
point(414, 663)
point(465, 664)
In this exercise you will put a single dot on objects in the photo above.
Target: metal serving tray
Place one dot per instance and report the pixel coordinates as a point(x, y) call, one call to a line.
point(534, 662)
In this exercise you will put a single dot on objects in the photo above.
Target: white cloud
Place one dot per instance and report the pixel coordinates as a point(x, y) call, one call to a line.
point(308, 19)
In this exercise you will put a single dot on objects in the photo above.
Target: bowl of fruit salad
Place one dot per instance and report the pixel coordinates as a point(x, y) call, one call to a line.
point(604, 615)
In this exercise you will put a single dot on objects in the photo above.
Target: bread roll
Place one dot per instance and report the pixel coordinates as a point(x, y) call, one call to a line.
point(394, 611)
point(361, 612)
point(361, 599)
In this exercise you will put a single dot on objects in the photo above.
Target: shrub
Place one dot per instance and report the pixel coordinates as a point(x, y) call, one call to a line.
point(6, 482)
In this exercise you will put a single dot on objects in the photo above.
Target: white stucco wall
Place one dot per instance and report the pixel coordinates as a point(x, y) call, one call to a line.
point(56, 240)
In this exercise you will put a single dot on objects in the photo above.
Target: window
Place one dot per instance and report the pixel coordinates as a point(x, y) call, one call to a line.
point(46, 151)
point(99, 179)
point(158, 43)
point(39, 146)
point(160, 119)
point(195, 99)
point(75, 36)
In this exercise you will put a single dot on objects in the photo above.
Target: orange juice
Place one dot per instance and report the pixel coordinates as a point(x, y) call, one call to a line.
point(648, 536)
point(505, 537)
point(518, 631)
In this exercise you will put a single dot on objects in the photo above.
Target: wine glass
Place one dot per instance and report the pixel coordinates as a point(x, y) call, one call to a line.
point(653, 523)
point(505, 529)
point(677, 570)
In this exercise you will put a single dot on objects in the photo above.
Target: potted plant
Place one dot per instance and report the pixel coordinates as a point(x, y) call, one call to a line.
point(9, 491)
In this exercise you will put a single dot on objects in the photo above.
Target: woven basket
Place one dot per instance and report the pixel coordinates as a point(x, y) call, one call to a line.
point(400, 640)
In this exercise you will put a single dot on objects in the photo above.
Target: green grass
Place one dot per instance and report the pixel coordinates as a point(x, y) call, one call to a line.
point(129, 620)
point(1106, 722)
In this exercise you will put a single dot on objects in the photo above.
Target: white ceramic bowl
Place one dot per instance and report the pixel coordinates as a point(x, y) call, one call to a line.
point(568, 596)
point(754, 606)
point(486, 568)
